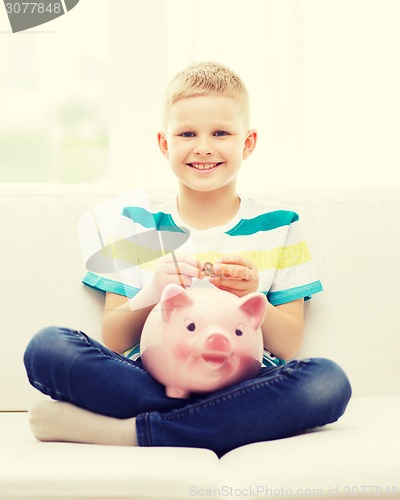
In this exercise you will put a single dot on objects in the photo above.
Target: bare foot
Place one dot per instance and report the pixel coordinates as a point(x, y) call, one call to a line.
point(60, 421)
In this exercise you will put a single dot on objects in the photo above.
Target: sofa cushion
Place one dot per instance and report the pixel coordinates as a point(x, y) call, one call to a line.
point(357, 456)
point(353, 234)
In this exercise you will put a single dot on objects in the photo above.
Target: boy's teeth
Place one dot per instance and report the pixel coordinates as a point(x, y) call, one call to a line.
point(203, 166)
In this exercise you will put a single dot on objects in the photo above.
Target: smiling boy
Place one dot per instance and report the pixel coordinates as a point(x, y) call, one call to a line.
point(206, 122)
point(109, 399)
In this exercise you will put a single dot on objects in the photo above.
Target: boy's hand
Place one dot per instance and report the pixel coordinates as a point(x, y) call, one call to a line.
point(235, 274)
point(179, 269)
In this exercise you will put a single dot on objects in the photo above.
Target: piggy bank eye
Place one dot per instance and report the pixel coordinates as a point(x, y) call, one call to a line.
point(239, 330)
point(189, 323)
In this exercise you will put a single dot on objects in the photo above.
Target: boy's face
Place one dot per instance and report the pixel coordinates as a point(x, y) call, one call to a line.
point(206, 141)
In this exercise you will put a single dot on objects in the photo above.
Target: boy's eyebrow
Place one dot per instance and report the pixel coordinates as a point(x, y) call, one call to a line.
point(215, 126)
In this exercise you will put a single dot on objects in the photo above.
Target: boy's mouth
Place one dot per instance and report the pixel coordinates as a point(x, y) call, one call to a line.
point(204, 166)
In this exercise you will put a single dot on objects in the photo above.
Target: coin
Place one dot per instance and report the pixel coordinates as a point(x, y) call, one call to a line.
point(208, 269)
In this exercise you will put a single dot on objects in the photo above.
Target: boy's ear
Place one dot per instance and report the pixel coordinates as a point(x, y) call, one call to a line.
point(249, 143)
point(162, 144)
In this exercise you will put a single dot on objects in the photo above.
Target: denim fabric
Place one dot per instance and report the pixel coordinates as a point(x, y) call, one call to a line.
point(282, 401)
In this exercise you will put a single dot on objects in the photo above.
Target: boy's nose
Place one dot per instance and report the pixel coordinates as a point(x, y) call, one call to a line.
point(203, 148)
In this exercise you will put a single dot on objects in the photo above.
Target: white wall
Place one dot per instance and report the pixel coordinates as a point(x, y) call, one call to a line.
point(323, 76)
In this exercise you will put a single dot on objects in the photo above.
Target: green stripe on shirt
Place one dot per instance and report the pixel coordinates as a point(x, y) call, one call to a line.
point(263, 222)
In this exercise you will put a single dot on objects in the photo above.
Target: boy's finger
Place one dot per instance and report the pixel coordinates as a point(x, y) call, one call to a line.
point(228, 284)
point(186, 258)
point(235, 259)
point(183, 268)
point(238, 272)
point(178, 260)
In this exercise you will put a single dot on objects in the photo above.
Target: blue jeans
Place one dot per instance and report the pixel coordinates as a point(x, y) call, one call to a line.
point(282, 401)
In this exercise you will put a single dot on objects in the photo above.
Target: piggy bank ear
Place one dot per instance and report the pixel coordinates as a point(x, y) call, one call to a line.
point(172, 297)
point(255, 305)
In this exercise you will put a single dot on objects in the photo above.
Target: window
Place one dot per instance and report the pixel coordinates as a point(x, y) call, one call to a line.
point(53, 105)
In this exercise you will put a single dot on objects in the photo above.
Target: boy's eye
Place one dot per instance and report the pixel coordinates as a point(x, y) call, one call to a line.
point(220, 133)
point(187, 134)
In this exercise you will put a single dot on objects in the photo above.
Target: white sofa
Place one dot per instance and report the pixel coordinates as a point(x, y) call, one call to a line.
point(354, 234)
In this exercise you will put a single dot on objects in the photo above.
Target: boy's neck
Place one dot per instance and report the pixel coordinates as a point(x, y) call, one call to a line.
point(202, 210)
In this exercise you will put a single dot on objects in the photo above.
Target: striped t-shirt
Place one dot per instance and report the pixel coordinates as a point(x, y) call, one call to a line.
point(121, 243)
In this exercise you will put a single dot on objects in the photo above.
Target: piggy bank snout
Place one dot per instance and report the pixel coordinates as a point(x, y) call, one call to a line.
point(217, 342)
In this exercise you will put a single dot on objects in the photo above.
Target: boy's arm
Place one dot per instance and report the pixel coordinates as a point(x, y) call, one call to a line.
point(283, 328)
point(124, 318)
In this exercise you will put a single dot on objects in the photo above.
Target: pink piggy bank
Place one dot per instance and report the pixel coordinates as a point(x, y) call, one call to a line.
point(201, 340)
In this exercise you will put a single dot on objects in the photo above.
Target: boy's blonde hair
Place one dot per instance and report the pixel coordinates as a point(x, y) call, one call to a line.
point(203, 79)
